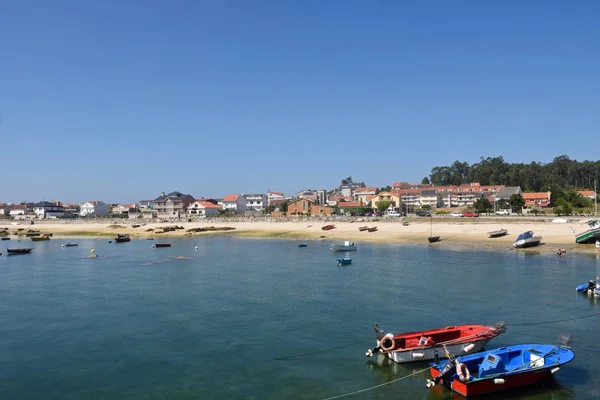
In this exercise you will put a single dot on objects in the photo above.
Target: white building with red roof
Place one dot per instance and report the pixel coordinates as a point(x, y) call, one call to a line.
point(203, 208)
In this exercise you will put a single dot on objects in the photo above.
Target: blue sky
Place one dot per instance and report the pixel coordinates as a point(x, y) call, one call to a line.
point(118, 101)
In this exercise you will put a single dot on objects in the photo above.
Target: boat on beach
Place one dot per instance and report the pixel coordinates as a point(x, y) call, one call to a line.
point(591, 235)
point(501, 369)
point(499, 233)
point(11, 252)
point(122, 238)
point(372, 229)
point(344, 261)
point(429, 344)
point(527, 239)
point(363, 228)
point(347, 246)
point(328, 227)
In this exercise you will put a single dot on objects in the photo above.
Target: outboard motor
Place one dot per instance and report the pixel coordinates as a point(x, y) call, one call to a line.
point(445, 374)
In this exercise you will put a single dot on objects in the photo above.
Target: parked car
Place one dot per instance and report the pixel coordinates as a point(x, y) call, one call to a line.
point(393, 213)
point(470, 214)
point(422, 213)
point(457, 214)
point(503, 212)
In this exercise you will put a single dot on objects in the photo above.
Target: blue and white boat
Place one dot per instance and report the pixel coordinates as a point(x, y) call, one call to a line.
point(586, 287)
point(527, 239)
point(344, 261)
point(501, 369)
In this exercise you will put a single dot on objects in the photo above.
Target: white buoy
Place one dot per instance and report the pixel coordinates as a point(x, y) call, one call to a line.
point(153, 246)
point(554, 370)
point(469, 347)
point(499, 381)
point(196, 248)
point(62, 245)
point(417, 355)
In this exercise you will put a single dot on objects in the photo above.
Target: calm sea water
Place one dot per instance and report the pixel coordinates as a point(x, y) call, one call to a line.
point(139, 323)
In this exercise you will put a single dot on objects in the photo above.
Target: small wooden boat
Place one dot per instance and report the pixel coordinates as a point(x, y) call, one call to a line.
point(425, 345)
point(372, 229)
point(32, 234)
point(122, 238)
point(433, 239)
point(363, 228)
point(498, 233)
point(328, 227)
point(18, 251)
point(344, 261)
point(347, 246)
point(501, 369)
point(5, 238)
point(71, 244)
point(162, 245)
point(40, 238)
point(303, 245)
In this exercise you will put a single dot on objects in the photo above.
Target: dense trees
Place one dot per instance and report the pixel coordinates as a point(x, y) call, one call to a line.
point(562, 173)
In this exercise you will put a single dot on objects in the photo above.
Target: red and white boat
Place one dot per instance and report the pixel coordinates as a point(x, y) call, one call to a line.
point(429, 344)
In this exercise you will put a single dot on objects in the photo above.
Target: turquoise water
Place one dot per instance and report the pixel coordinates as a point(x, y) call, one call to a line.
point(137, 323)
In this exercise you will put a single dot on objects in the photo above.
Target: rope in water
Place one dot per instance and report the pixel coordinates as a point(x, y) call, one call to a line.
point(370, 339)
point(377, 386)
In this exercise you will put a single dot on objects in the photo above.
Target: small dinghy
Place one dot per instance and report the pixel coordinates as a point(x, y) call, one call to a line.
point(586, 287)
point(372, 229)
point(12, 252)
point(498, 233)
point(303, 245)
point(363, 228)
point(70, 244)
point(425, 345)
point(501, 369)
point(344, 261)
point(161, 245)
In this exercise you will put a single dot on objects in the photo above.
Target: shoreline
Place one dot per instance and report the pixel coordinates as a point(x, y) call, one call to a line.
point(462, 233)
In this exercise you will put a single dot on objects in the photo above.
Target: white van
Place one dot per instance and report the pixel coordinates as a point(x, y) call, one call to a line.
point(393, 213)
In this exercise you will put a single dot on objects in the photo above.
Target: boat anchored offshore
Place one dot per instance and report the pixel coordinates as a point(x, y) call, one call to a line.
point(502, 368)
point(527, 239)
point(344, 261)
point(347, 246)
point(429, 344)
point(122, 238)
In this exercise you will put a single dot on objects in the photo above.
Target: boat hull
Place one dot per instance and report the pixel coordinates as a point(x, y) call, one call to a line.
point(39, 239)
point(427, 354)
point(588, 237)
point(499, 233)
point(162, 245)
point(523, 244)
point(338, 247)
point(433, 239)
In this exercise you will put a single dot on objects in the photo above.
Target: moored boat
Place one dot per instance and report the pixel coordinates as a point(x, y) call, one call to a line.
point(527, 239)
point(70, 244)
point(586, 287)
point(344, 261)
point(499, 233)
point(347, 246)
point(5, 238)
point(372, 229)
point(591, 235)
point(303, 245)
point(45, 236)
point(18, 251)
point(162, 245)
point(426, 345)
point(433, 239)
point(122, 238)
point(328, 227)
point(363, 228)
point(502, 368)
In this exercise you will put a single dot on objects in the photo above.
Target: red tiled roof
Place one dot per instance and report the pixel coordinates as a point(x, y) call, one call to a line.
point(17, 207)
point(349, 204)
point(231, 197)
point(369, 189)
point(277, 193)
point(206, 204)
point(369, 198)
point(536, 196)
point(587, 193)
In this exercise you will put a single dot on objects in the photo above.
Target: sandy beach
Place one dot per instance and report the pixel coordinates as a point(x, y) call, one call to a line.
point(466, 233)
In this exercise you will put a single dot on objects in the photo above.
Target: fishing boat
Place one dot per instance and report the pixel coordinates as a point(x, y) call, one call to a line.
point(372, 229)
point(347, 246)
point(499, 233)
point(17, 251)
point(527, 239)
point(70, 244)
point(344, 261)
point(5, 238)
point(328, 227)
point(303, 245)
point(32, 234)
point(162, 245)
point(363, 228)
point(591, 235)
point(502, 368)
point(431, 238)
point(122, 238)
point(429, 344)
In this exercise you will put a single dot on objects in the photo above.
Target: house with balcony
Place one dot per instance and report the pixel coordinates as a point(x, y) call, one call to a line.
point(17, 210)
point(410, 197)
point(122, 209)
point(301, 206)
point(93, 209)
point(255, 203)
point(430, 198)
point(144, 205)
point(537, 200)
point(361, 194)
point(348, 186)
point(203, 208)
point(274, 197)
point(234, 204)
point(393, 198)
point(46, 209)
point(172, 205)
point(589, 194)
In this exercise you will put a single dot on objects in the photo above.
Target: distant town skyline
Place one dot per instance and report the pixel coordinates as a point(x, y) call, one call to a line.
point(119, 102)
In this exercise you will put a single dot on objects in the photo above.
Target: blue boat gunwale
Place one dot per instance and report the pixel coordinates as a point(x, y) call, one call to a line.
point(473, 361)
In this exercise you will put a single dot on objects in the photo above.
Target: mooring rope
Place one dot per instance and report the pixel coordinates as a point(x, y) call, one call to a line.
point(323, 351)
point(377, 386)
point(555, 321)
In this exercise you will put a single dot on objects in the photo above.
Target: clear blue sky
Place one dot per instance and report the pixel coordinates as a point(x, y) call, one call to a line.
point(118, 101)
